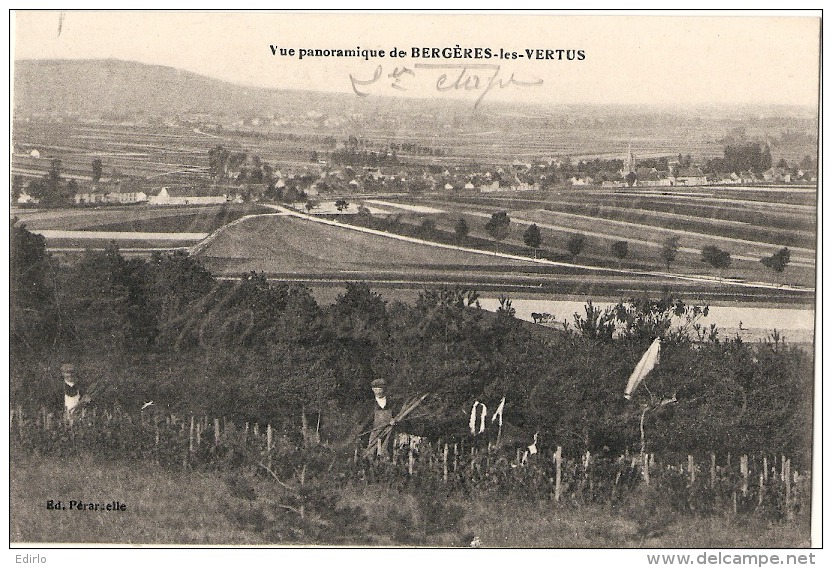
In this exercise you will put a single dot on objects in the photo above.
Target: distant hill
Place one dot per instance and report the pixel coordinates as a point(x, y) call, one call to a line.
point(109, 85)
point(115, 89)
point(70, 86)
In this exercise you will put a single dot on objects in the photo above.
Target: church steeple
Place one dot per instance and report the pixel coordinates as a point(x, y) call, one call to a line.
point(629, 161)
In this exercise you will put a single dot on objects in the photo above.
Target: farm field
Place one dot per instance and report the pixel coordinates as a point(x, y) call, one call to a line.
point(290, 248)
point(748, 222)
point(644, 229)
point(178, 152)
point(285, 245)
point(169, 153)
point(138, 218)
point(137, 229)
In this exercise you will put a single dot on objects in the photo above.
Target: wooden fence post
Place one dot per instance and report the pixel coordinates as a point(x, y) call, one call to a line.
point(744, 473)
point(269, 446)
point(191, 437)
point(762, 490)
point(410, 459)
point(713, 470)
point(456, 455)
point(445, 463)
point(558, 465)
point(765, 469)
point(587, 464)
point(189, 456)
point(645, 470)
point(216, 431)
point(788, 480)
point(691, 470)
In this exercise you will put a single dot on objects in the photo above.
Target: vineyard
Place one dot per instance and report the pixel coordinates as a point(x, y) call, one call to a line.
point(647, 487)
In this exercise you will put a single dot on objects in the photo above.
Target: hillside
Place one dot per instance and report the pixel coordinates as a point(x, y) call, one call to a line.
point(93, 86)
point(96, 86)
point(496, 132)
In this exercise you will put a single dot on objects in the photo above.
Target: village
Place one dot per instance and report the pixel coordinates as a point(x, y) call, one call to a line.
point(351, 169)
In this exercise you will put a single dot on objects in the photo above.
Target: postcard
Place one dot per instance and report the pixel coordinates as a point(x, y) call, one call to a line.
point(526, 280)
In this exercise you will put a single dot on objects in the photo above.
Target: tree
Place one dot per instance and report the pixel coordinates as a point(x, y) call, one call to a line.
point(533, 238)
point(31, 298)
point(619, 251)
point(97, 169)
point(575, 245)
point(428, 227)
point(778, 261)
point(670, 249)
point(497, 226)
point(461, 229)
point(631, 179)
point(716, 257)
point(310, 205)
point(54, 171)
point(17, 187)
point(341, 204)
point(364, 215)
point(218, 162)
point(71, 188)
point(808, 163)
point(747, 156)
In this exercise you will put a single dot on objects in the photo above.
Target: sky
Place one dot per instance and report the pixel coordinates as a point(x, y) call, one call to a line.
point(627, 59)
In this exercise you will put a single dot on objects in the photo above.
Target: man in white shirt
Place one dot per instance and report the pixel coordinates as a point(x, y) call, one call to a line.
point(72, 394)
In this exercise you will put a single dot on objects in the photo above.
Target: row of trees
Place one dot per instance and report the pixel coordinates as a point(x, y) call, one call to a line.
point(498, 229)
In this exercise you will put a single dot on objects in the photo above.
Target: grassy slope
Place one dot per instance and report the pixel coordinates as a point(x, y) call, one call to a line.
point(162, 507)
point(191, 508)
point(283, 244)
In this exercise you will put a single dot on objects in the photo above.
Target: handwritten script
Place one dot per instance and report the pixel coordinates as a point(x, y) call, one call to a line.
point(449, 77)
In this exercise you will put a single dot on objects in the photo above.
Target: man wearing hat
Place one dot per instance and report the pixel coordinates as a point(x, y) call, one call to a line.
point(384, 414)
point(72, 394)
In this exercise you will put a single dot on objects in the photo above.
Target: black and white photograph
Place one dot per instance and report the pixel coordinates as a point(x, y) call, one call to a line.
point(379, 279)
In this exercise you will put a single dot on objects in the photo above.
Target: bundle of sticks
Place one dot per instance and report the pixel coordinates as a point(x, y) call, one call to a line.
point(383, 433)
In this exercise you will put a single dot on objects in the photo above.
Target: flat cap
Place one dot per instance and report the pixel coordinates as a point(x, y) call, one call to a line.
point(378, 383)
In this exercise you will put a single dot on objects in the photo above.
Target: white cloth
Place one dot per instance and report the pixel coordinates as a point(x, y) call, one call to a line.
point(649, 360)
